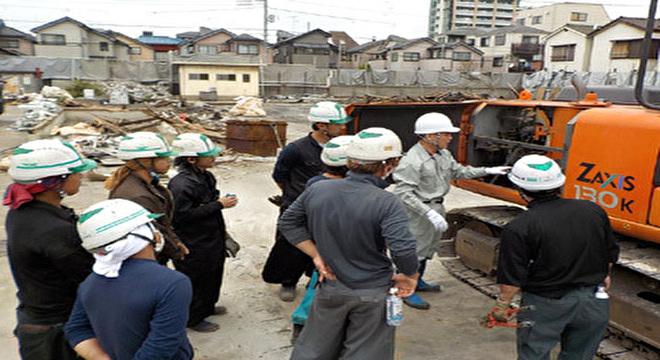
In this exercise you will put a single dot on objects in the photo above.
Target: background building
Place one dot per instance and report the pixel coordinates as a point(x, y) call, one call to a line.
point(446, 15)
point(552, 17)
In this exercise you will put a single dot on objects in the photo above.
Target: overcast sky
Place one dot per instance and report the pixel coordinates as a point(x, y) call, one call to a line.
point(363, 19)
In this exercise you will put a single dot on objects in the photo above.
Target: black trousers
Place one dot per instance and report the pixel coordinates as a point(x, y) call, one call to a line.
point(43, 342)
point(206, 282)
point(286, 264)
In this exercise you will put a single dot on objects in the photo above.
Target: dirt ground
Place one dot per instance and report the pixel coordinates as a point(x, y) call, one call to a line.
point(257, 325)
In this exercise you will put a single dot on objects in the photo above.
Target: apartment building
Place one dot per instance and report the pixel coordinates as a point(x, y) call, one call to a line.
point(446, 15)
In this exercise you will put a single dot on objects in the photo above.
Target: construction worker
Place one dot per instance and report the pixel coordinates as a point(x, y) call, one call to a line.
point(130, 307)
point(45, 256)
point(199, 224)
point(558, 253)
point(334, 161)
point(347, 227)
point(147, 157)
point(422, 181)
point(298, 162)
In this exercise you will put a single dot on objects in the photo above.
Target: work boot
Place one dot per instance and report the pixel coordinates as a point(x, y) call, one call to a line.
point(297, 329)
point(423, 286)
point(287, 293)
point(205, 327)
point(415, 301)
point(219, 310)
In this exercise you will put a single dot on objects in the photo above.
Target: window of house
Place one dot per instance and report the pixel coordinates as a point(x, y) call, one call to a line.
point(528, 39)
point(498, 61)
point(411, 56)
point(195, 76)
point(9, 43)
point(246, 78)
point(225, 77)
point(632, 49)
point(248, 49)
point(470, 41)
point(563, 53)
point(484, 41)
point(461, 56)
point(537, 20)
point(394, 57)
point(207, 49)
point(135, 50)
point(578, 16)
point(104, 46)
point(53, 39)
point(520, 22)
point(500, 39)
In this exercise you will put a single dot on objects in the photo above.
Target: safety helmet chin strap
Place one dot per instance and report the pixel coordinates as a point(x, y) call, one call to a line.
point(155, 178)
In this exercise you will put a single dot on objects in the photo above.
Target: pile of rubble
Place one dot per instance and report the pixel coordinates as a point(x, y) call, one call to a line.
point(42, 107)
point(448, 96)
point(125, 92)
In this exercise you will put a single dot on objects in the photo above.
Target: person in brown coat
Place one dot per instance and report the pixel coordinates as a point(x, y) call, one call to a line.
point(147, 156)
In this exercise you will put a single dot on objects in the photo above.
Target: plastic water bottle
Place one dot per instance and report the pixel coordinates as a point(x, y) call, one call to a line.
point(394, 308)
point(601, 293)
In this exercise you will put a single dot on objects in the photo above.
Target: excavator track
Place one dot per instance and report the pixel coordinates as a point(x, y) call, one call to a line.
point(634, 331)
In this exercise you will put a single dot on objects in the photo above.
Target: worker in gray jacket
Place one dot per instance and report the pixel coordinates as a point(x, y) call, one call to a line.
point(347, 227)
point(422, 180)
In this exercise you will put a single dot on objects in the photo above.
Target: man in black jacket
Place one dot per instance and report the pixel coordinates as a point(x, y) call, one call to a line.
point(298, 162)
point(559, 253)
point(198, 222)
point(45, 254)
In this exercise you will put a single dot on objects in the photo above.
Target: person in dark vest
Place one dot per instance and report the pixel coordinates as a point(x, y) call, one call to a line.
point(45, 254)
point(297, 163)
point(198, 222)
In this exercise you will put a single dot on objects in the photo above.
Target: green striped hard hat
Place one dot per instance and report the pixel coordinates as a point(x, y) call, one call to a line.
point(40, 159)
point(191, 144)
point(111, 220)
point(143, 144)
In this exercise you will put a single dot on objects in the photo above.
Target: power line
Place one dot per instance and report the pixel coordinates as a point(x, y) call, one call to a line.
point(330, 16)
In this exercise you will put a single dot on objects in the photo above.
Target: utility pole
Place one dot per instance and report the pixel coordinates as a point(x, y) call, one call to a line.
point(262, 67)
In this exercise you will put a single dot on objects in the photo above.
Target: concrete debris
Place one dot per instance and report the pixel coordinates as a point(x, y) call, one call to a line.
point(53, 92)
point(38, 110)
point(118, 95)
point(139, 93)
point(248, 106)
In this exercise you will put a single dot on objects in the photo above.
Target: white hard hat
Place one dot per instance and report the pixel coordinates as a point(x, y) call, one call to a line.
point(111, 220)
point(143, 144)
point(536, 173)
point(431, 123)
point(191, 144)
point(374, 144)
point(334, 151)
point(328, 112)
point(40, 159)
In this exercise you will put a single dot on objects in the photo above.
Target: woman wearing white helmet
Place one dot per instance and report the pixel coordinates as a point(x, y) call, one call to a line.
point(147, 157)
point(199, 224)
point(121, 235)
point(45, 256)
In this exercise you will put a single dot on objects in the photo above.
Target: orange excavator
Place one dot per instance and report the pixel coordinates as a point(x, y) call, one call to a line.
point(609, 149)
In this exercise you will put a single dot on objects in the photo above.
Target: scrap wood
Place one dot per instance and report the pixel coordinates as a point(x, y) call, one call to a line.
point(181, 123)
point(108, 125)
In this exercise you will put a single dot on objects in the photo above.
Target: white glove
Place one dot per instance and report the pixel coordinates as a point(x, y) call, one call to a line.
point(498, 170)
point(437, 220)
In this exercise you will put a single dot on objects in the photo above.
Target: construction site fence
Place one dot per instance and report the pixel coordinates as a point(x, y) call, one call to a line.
point(87, 69)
